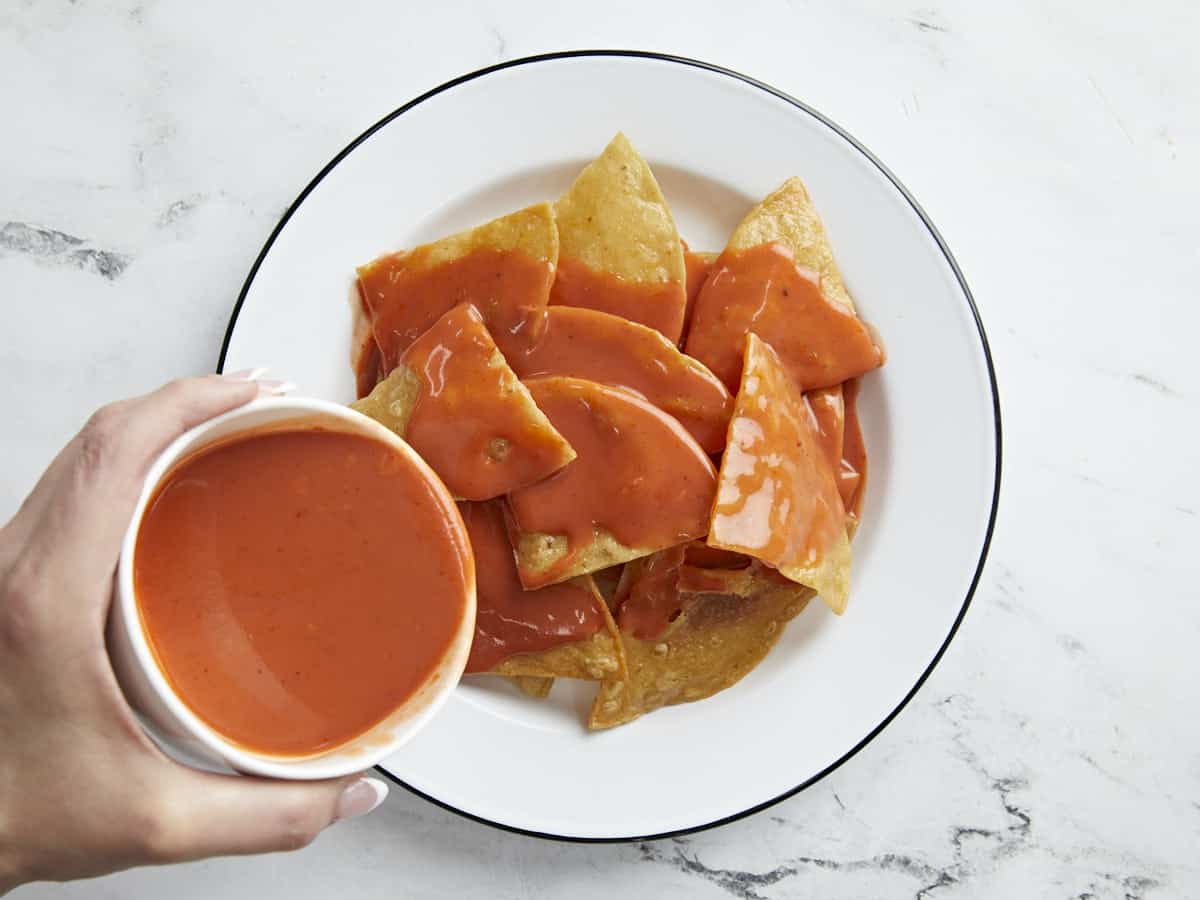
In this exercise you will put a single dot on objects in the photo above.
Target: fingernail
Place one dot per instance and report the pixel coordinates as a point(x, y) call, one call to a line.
point(269, 387)
point(247, 374)
point(360, 798)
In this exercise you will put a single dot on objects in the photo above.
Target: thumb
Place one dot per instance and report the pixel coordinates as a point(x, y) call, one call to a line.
point(222, 815)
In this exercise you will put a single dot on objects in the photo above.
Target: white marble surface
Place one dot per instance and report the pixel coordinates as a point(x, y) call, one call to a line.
point(147, 148)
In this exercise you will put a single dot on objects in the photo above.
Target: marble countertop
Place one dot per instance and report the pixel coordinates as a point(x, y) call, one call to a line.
point(149, 146)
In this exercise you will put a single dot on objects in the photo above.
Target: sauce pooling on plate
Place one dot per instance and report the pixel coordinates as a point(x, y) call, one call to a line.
point(763, 290)
point(298, 586)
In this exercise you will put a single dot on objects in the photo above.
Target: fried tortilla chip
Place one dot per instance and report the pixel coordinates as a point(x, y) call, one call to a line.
point(788, 217)
point(504, 268)
point(778, 498)
point(593, 659)
point(532, 685)
point(852, 475)
point(777, 278)
point(585, 343)
point(722, 623)
point(562, 630)
point(640, 483)
point(607, 581)
point(453, 397)
point(620, 250)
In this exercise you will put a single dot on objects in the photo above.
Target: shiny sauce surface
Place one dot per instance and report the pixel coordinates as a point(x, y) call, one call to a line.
point(762, 290)
point(509, 619)
point(659, 306)
point(648, 604)
point(778, 497)
point(598, 346)
point(406, 296)
point(852, 473)
point(699, 267)
point(639, 475)
point(298, 586)
point(471, 422)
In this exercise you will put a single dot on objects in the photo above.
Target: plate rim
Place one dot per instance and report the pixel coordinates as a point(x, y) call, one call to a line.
point(942, 246)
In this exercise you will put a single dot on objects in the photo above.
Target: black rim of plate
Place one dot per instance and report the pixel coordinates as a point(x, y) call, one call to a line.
point(987, 355)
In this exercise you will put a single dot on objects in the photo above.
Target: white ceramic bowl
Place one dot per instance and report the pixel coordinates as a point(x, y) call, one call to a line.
point(718, 142)
point(168, 719)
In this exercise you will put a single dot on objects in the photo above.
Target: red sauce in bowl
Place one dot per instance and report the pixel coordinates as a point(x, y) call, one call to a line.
point(298, 586)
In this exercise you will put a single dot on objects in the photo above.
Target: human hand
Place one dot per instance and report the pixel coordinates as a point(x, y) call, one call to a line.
point(83, 791)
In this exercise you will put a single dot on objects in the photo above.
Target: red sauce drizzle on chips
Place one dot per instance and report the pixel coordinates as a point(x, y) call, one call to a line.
point(659, 306)
point(510, 619)
point(638, 475)
point(469, 424)
point(585, 343)
point(406, 297)
point(762, 290)
point(778, 499)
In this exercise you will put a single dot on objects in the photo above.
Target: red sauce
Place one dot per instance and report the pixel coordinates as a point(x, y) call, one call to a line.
point(638, 474)
point(471, 423)
point(659, 306)
point(510, 619)
point(406, 295)
point(762, 290)
point(665, 584)
point(852, 473)
point(584, 343)
point(699, 267)
point(365, 358)
point(836, 412)
point(298, 586)
point(829, 410)
point(705, 557)
point(648, 603)
point(778, 499)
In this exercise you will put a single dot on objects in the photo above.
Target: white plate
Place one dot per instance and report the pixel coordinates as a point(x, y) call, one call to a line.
point(495, 140)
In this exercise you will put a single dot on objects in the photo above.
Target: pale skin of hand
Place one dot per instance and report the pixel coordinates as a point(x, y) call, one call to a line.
point(83, 791)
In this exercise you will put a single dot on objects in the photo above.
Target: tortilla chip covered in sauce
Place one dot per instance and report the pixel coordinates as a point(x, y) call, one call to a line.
point(777, 278)
point(691, 628)
point(836, 413)
point(562, 630)
point(504, 267)
point(453, 397)
point(620, 250)
point(640, 483)
point(572, 371)
point(778, 497)
point(585, 343)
